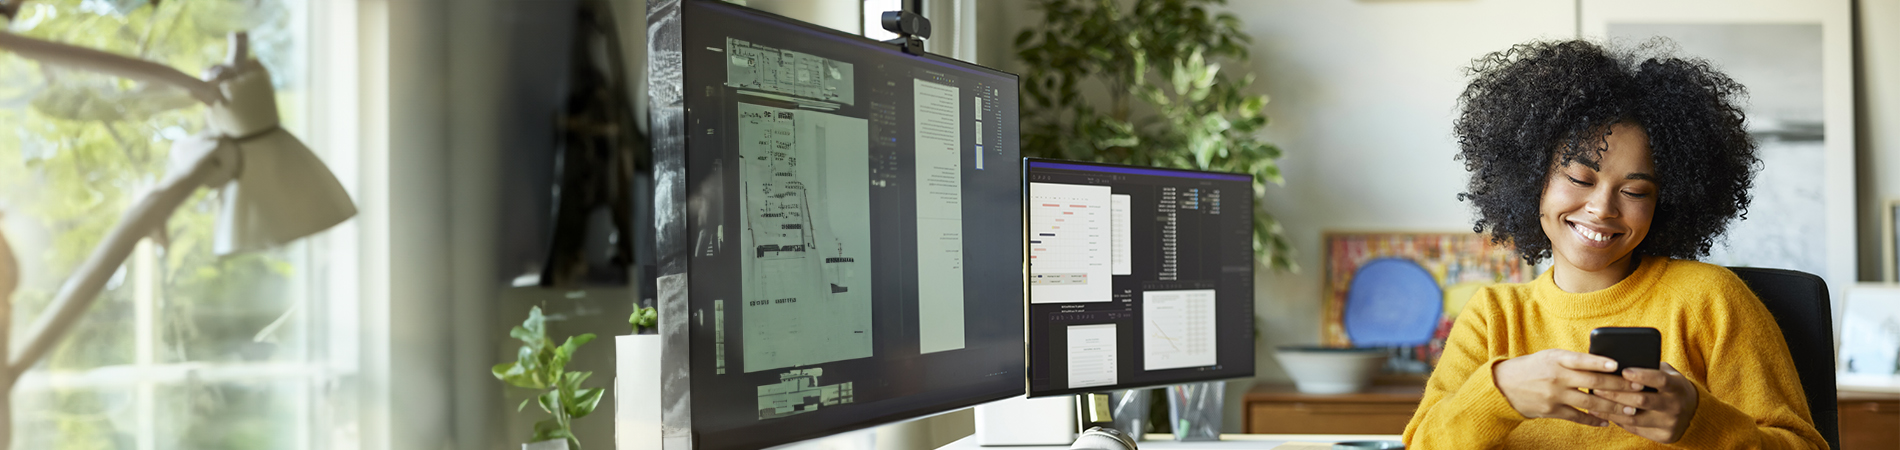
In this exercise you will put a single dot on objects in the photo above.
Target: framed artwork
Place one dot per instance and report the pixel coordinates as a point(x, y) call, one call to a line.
point(1870, 339)
point(1402, 291)
point(1795, 58)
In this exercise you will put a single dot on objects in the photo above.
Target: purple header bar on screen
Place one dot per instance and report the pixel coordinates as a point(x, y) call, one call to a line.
point(1141, 171)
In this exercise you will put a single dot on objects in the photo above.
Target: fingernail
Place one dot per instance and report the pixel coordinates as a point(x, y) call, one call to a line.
point(1610, 365)
point(1629, 410)
point(1636, 386)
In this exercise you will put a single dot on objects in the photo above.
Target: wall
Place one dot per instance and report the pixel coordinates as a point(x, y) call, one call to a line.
point(1878, 110)
point(438, 114)
point(1363, 95)
point(1362, 101)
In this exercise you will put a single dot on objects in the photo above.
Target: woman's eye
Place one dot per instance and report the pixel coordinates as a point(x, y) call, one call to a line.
point(1636, 194)
point(1576, 181)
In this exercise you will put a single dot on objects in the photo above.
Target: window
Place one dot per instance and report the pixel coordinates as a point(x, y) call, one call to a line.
point(184, 349)
point(874, 18)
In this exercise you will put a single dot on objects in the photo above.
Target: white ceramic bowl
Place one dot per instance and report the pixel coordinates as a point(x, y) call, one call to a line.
point(1318, 370)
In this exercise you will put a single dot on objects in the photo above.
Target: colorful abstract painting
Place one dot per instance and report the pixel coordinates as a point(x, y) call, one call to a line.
point(1402, 291)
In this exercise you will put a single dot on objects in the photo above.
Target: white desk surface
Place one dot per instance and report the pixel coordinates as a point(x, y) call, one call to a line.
point(1228, 441)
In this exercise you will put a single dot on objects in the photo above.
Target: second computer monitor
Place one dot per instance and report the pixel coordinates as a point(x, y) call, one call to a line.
point(1138, 276)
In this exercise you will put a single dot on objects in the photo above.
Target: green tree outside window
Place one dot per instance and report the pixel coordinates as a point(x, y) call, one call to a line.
point(144, 368)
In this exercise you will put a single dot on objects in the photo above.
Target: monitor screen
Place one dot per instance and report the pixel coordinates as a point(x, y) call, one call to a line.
point(1138, 276)
point(855, 224)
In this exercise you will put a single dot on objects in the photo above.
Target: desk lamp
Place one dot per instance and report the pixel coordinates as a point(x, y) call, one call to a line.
point(274, 189)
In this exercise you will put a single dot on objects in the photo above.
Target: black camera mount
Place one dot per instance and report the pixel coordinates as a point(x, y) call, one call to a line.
point(911, 28)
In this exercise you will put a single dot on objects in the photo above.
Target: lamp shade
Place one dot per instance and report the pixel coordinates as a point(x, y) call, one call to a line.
point(281, 191)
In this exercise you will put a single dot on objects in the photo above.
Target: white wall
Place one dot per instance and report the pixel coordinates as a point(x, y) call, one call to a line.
point(1363, 95)
point(1878, 156)
point(839, 15)
point(407, 277)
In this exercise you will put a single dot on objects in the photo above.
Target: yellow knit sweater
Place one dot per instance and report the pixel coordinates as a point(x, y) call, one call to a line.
point(1714, 330)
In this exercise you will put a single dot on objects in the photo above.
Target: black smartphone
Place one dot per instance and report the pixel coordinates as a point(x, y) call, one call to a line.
point(1629, 346)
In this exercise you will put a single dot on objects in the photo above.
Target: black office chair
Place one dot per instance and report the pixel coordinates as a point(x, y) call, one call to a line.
point(1799, 302)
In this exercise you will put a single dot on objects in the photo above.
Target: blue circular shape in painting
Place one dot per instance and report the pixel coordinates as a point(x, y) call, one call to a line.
point(1392, 302)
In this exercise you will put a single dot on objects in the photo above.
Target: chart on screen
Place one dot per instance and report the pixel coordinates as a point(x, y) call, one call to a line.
point(1069, 245)
point(1179, 330)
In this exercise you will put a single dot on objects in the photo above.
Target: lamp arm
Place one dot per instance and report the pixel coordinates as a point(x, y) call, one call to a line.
point(109, 63)
point(78, 293)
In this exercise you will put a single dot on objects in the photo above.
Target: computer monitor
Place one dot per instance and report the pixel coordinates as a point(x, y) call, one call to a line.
point(1138, 276)
point(851, 240)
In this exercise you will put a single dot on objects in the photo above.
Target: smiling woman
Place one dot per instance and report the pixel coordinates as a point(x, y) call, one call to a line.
point(1620, 166)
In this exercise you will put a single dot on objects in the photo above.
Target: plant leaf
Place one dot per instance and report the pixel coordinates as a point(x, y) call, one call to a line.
point(584, 402)
point(550, 401)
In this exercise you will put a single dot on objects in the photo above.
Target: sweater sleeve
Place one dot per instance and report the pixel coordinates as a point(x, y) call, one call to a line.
point(1462, 407)
point(1750, 395)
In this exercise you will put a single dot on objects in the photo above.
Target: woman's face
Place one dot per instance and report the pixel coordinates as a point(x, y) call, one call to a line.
point(1595, 217)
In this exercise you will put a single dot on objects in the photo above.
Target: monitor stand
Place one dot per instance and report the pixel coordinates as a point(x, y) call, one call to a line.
point(1095, 424)
point(1093, 409)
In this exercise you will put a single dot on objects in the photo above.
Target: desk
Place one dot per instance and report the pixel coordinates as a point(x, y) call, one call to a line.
point(1868, 420)
point(1381, 409)
point(1228, 441)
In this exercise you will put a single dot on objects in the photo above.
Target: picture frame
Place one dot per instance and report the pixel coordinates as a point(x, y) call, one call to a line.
point(1457, 264)
point(1796, 58)
point(1870, 339)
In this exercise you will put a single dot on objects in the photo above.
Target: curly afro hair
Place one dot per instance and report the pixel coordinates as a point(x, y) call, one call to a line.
point(1543, 105)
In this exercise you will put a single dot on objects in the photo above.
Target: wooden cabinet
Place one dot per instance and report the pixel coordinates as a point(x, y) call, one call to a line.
point(1870, 421)
point(1382, 409)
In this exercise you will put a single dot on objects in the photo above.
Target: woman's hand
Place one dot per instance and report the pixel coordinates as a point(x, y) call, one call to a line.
point(1544, 385)
point(1661, 416)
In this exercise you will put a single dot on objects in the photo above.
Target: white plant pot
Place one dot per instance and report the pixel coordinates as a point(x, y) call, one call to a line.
point(637, 392)
point(551, 444)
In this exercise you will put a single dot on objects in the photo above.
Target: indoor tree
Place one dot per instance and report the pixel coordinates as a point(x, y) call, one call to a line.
point(1167, 54)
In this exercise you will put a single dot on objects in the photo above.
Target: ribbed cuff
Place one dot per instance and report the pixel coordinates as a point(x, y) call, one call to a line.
point(1489, 410)
point(1714, 423)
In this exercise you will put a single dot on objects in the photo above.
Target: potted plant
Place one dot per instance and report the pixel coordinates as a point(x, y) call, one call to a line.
point(1167, 54)
point(542, 366)
point(644, 319)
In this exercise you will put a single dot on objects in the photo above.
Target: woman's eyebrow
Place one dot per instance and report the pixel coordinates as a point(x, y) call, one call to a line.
point(1640, 176)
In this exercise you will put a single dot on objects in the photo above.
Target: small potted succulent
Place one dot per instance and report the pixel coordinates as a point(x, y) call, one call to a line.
point(542, 366)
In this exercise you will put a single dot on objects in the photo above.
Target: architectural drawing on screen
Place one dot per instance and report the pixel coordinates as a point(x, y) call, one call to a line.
point(805, 234)
point(798, 392)
point(754, 66)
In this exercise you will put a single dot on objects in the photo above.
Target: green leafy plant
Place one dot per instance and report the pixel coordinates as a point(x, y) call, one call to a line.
point(542, 366)
point(643, 318)
point(1165, 53)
